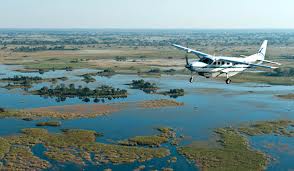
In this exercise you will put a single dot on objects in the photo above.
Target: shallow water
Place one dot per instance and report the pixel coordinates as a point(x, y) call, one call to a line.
point(204, 110)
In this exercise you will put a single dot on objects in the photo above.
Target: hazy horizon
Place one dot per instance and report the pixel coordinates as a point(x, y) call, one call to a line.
point(147, 14)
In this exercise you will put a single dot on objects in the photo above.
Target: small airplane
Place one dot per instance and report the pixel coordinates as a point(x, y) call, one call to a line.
point(211, 66)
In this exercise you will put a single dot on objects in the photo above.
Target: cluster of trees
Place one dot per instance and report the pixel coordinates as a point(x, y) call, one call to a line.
point(17, 78)
point(144, 85)
point(174, 93)
point(24, 81)
point(2, 110)
point(62, 40)
point(120, 58)
point(88, 78)
point(40, 48)
point(62, 92)
point(106, 72)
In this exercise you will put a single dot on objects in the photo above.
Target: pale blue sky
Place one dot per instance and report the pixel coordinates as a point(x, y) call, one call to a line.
point(146, 13)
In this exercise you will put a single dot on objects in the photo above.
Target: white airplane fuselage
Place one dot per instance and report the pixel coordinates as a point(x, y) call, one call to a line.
point(222, 66)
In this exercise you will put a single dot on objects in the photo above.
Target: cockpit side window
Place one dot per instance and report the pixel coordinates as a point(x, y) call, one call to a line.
point(206, 60)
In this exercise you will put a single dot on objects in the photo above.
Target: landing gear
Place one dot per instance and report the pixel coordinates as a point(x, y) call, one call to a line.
point(191, 79)
point(228, 81)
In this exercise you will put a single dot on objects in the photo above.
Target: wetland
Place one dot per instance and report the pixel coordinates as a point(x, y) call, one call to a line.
point(104, 100)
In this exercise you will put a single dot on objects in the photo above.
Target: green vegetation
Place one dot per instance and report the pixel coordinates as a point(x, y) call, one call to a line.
point(264, 78)
point(88, 78)
point(120, 58)
point(17, 78)
point(106, 72)
point(26, 81)
point(231, 151)
point(234, 153)
point(62, 92)
point(286, 96)
point(49, 123)
point(269, 127)
point(165, 135)
point(40, 48)
point(151, 141)
point(71, 146)
point(2, 110)
point(174, 93)
point(144, 85)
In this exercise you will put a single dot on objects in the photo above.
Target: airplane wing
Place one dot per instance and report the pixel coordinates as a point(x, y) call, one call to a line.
point(198, 53)
point(246, 63)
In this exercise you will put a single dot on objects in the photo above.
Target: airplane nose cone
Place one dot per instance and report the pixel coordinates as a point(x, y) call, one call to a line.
point(199, 64)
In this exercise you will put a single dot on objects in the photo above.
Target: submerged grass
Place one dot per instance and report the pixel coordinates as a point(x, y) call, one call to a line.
point(166, 134)
point(234, 153)
point(71, 146)
point(269, 127)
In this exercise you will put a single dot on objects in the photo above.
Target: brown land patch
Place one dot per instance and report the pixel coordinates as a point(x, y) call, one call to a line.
point(159, 103)
point(84, 110)
point(74, 111)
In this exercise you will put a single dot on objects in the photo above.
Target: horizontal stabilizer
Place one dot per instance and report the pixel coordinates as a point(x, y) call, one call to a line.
point(271, 62)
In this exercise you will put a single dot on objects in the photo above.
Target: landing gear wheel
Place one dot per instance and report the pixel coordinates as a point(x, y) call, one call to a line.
point(228, 81)
point(191, 80)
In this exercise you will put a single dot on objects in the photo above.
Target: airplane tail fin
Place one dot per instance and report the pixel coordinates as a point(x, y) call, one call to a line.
point(262, 50)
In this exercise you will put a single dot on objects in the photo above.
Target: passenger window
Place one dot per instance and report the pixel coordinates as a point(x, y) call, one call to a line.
point(223, 63)
point(218, 63)
point(228, 63)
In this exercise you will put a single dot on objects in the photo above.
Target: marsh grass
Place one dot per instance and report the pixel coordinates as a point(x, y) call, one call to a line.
point(70, 146)
point(234, 153)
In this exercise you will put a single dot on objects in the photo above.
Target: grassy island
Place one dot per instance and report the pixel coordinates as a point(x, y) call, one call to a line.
point(286, 96)
point(106, 72)
point(26, 81)
point(81, 110)
point(269, 127)
point(72, 146)
point(144, 85)
point(159, 103)
point(232, 151)
point(165, 135)
point(49, 123)
point(62, 92)
point(174, 93)
point(88, 78)
point(61, 112)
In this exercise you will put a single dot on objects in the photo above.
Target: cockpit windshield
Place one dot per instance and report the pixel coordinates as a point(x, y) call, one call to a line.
point(206, 60)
